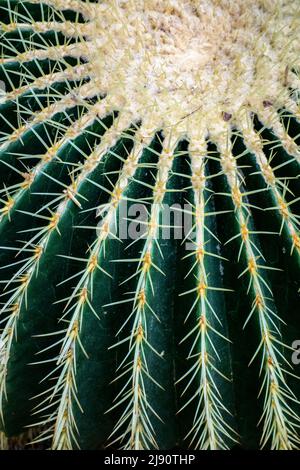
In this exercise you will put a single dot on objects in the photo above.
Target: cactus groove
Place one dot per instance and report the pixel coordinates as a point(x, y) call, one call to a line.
point(147, 340)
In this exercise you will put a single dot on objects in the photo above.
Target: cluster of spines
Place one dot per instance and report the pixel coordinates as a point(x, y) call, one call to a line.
point(138, 432)
point(279, 420)
point(277, 185)
point(277, 413)
point(63, 430)
point(63, 393)
point(209, 430)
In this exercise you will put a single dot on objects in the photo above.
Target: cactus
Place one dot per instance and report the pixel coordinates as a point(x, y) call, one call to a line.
point(149, 223)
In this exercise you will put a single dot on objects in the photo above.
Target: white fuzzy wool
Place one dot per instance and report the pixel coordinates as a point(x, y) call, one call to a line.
point(186, 63)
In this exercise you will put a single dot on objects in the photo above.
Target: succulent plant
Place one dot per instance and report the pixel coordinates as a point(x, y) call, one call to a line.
point(149, 223)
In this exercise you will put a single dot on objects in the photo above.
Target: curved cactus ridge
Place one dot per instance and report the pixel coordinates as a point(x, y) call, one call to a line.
point(149, 223)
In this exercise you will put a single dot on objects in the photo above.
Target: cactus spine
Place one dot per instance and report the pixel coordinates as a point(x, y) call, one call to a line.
point(148, 340)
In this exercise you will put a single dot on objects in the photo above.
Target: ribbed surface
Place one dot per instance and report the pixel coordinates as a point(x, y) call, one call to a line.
point(146, 342)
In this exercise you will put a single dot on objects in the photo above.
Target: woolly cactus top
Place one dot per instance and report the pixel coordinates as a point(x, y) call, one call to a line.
point(149, 102)
point(176, 59)
point(190, 64)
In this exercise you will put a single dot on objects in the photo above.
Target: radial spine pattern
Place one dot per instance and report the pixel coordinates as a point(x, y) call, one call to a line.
point(149, 340)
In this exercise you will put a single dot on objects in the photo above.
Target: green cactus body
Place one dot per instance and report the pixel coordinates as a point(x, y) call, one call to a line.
point(115, 330)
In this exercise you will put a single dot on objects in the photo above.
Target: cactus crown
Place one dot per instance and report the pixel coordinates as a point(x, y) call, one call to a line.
point(140, 341)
